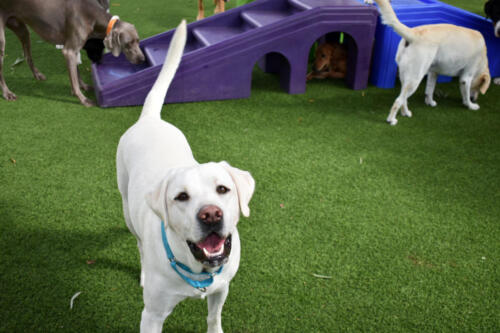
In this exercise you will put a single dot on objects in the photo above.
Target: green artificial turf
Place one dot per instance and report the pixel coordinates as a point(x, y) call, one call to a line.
point(403, 221)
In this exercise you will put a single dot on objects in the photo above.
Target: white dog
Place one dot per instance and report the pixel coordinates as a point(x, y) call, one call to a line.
point(437, 49)
point(183, 214)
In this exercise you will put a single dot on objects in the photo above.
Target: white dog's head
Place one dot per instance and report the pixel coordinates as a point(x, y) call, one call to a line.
point(202, 205)
point(480, 84)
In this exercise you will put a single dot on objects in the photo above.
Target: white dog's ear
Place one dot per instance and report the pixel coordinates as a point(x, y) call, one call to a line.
point(112, 42)
point(245, 185)
point(156, 200)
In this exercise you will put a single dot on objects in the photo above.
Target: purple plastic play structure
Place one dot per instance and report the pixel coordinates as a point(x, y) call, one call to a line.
point(222, 50)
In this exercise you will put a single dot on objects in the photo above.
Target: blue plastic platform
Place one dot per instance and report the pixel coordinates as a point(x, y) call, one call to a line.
point(420, 12)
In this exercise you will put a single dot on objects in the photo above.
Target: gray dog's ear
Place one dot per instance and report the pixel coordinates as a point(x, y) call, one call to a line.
point(112, 42)
point(157, 200)
point(245, 185)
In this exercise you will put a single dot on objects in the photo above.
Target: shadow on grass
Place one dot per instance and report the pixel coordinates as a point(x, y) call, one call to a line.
point(46, 263)
point(43, 268)
point(50, 90)
point(265, 82)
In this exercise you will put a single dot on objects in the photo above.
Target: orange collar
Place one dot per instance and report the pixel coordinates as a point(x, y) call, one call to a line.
point(111, 24)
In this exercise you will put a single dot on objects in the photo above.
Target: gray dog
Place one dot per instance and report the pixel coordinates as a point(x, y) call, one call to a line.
point(69, 23)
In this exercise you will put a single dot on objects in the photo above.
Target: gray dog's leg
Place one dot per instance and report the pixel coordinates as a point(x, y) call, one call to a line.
point(22, 32)
point(82, 84)
point(7, 94)
point(71, 62)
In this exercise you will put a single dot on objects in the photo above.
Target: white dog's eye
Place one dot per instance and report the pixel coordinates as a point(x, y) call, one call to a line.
point(183, 196)
point(221, 189)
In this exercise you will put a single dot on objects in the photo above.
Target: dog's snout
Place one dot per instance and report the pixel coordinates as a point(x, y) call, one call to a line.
point(210, 214)
point(140, 59)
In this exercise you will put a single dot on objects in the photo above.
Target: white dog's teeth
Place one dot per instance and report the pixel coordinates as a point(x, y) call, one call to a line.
point(218, 253)
point(221, 250)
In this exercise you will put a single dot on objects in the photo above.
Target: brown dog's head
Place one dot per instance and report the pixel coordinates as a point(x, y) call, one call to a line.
point(123, 37)
point(330, 57)
point(324, 54)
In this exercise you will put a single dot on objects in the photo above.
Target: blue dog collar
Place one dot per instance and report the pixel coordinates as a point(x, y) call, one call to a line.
point(202, 285)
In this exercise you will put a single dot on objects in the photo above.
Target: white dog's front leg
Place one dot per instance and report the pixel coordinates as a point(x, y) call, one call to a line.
point(158, 304)
point(465, 84)
point(141, 254)
point(152, 322)
point(497, 80)
point(215, 304)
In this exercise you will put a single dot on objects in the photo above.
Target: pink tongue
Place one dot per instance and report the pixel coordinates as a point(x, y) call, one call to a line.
point(212, 243)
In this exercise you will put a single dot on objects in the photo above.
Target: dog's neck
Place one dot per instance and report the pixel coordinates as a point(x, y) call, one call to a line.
point(198, 280)
point(101, 25)
point(185, 256)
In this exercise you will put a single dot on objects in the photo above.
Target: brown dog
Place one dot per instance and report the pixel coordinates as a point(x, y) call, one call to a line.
point(330, 62)
point(219, 8)
point(69, 23)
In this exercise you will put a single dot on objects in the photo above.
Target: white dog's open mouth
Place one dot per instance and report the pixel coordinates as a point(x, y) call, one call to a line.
point(212, 251)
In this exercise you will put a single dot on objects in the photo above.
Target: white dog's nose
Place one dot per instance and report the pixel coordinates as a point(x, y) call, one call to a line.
point(210, 214)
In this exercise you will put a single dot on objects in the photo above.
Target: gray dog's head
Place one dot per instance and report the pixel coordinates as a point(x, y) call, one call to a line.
point(202, 205)
point(124, 38)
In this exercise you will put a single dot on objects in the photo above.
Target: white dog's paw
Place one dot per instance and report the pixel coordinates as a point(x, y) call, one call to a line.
point(369, 2)
point(406, 113)
point(473, 106)
point(393, 121)
point(429, 101)
point(214, 330)
point(497, 80)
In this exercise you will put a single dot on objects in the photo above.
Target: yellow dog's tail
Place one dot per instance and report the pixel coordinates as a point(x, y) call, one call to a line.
point(389, 18)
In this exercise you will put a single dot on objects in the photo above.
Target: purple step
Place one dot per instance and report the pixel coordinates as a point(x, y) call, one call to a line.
point(300, 4)
point(260, 18)
point(197, 33)
point(310, 4)
point(222, 51)
point(156, 51)
point(213, 35)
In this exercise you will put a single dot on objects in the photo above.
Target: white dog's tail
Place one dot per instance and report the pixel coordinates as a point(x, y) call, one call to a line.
point(389, 17)
point(156, 97)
